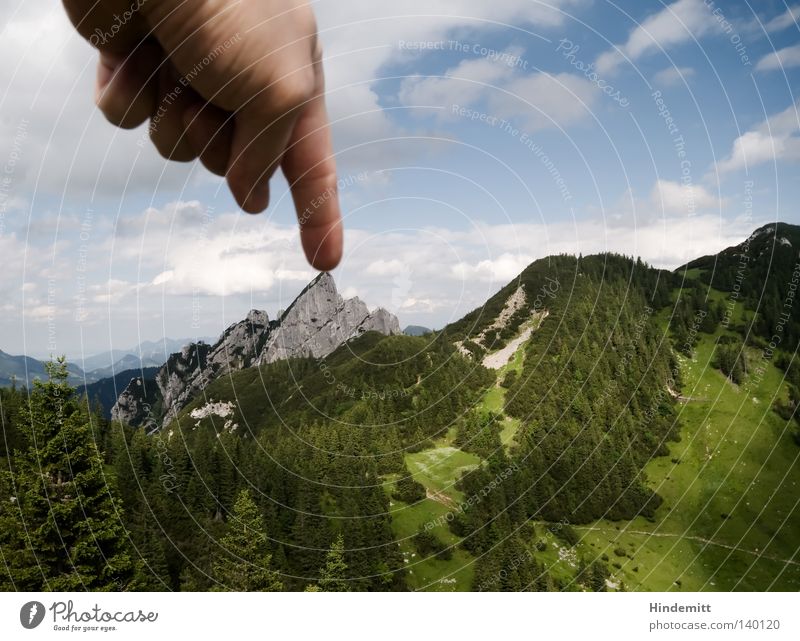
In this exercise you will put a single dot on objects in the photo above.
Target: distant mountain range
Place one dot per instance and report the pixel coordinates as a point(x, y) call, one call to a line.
point(23, 370)
point(416, 330)
point(146, 354)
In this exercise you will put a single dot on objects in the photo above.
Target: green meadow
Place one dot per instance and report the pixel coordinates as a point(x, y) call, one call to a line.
point(730, 519)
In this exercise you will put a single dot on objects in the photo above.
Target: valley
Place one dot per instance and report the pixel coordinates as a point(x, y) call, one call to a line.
point(731, 489)
point(596, 425)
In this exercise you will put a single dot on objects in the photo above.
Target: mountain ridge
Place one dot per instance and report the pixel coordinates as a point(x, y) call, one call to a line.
point(314, 325)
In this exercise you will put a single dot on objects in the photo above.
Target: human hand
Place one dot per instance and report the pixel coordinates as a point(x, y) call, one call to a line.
point(236, 83)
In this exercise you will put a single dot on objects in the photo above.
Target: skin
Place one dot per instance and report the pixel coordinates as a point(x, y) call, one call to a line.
point(236, 83)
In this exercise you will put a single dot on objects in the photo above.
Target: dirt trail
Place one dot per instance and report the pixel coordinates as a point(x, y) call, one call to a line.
point(435, 495)
point(697, 539)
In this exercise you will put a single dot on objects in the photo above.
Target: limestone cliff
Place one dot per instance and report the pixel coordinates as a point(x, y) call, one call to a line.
point(319, 320)
point(315, 324)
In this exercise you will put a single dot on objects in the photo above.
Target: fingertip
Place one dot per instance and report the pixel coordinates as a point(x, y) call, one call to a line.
point(124, 89)
point(323, 246)
point(251, 199)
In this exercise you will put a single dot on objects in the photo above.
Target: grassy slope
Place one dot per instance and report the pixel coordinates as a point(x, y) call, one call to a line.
point(438, 469)
point(495, 398)
point(730, 518)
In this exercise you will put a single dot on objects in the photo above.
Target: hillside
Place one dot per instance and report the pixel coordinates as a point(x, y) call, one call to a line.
point(596, 425)
point(762, 273)
point(23, 370)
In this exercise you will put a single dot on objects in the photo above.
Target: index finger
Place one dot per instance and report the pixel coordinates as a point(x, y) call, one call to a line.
point(310, 167)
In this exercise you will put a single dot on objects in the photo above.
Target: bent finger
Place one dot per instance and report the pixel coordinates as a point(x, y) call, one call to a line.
point(126, 85)
point(209, 130)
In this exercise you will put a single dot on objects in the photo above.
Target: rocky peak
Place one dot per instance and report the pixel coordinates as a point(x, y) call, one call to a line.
point(315, 324)
point(134, 405)
point(237, 348)
point(381, 320)
point(319, 320)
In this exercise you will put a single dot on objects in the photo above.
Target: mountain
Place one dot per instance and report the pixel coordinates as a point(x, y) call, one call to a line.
point(146, 354)
point(125, 363)
point(107, 390)
point(103, 360)
point(416, 330)
point(762, 273)
point(23, 370)
point(596, 425)
point(317, 322)
point(189, 371)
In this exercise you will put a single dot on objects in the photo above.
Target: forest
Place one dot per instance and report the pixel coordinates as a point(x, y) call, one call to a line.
point(292, 488)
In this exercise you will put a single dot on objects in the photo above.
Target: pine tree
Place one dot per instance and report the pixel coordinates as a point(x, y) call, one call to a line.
point(333, 577)
point(70, 515)
point(244, 563)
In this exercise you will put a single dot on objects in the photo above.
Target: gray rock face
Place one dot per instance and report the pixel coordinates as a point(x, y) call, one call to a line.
point(319, 320)
point(188, 372)
point(315, 324)
point(175, 378)
point(381, 321)
point(134, 405)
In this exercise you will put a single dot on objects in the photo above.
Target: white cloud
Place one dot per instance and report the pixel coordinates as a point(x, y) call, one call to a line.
point(674, 24)
point(464, 84)
point(362, 37)
point(677, 198)
point(782, 59)
point(496, 270)
point(542, 100)
point(61, 142)
point(777, 138)
point(537, 100)
point(672, 76)
point(788, 18)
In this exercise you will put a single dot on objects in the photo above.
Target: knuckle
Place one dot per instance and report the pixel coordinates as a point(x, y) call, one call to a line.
point(291, 92)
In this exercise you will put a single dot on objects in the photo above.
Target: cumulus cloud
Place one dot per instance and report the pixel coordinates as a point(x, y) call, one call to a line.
point(536, 100)
point(464, 84)
point(785, 58)
point(777, 138)
point(787, 19)
point(363, 38)
point(672, 76)
point(61, 143)
point(682, 198)
point(676, 23)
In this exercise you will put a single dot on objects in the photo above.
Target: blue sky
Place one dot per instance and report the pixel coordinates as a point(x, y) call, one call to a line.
point(471, 137)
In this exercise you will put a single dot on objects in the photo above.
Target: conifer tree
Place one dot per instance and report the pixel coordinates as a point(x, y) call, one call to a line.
point(333, 577)
point(244, 562)
point(69, 513)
